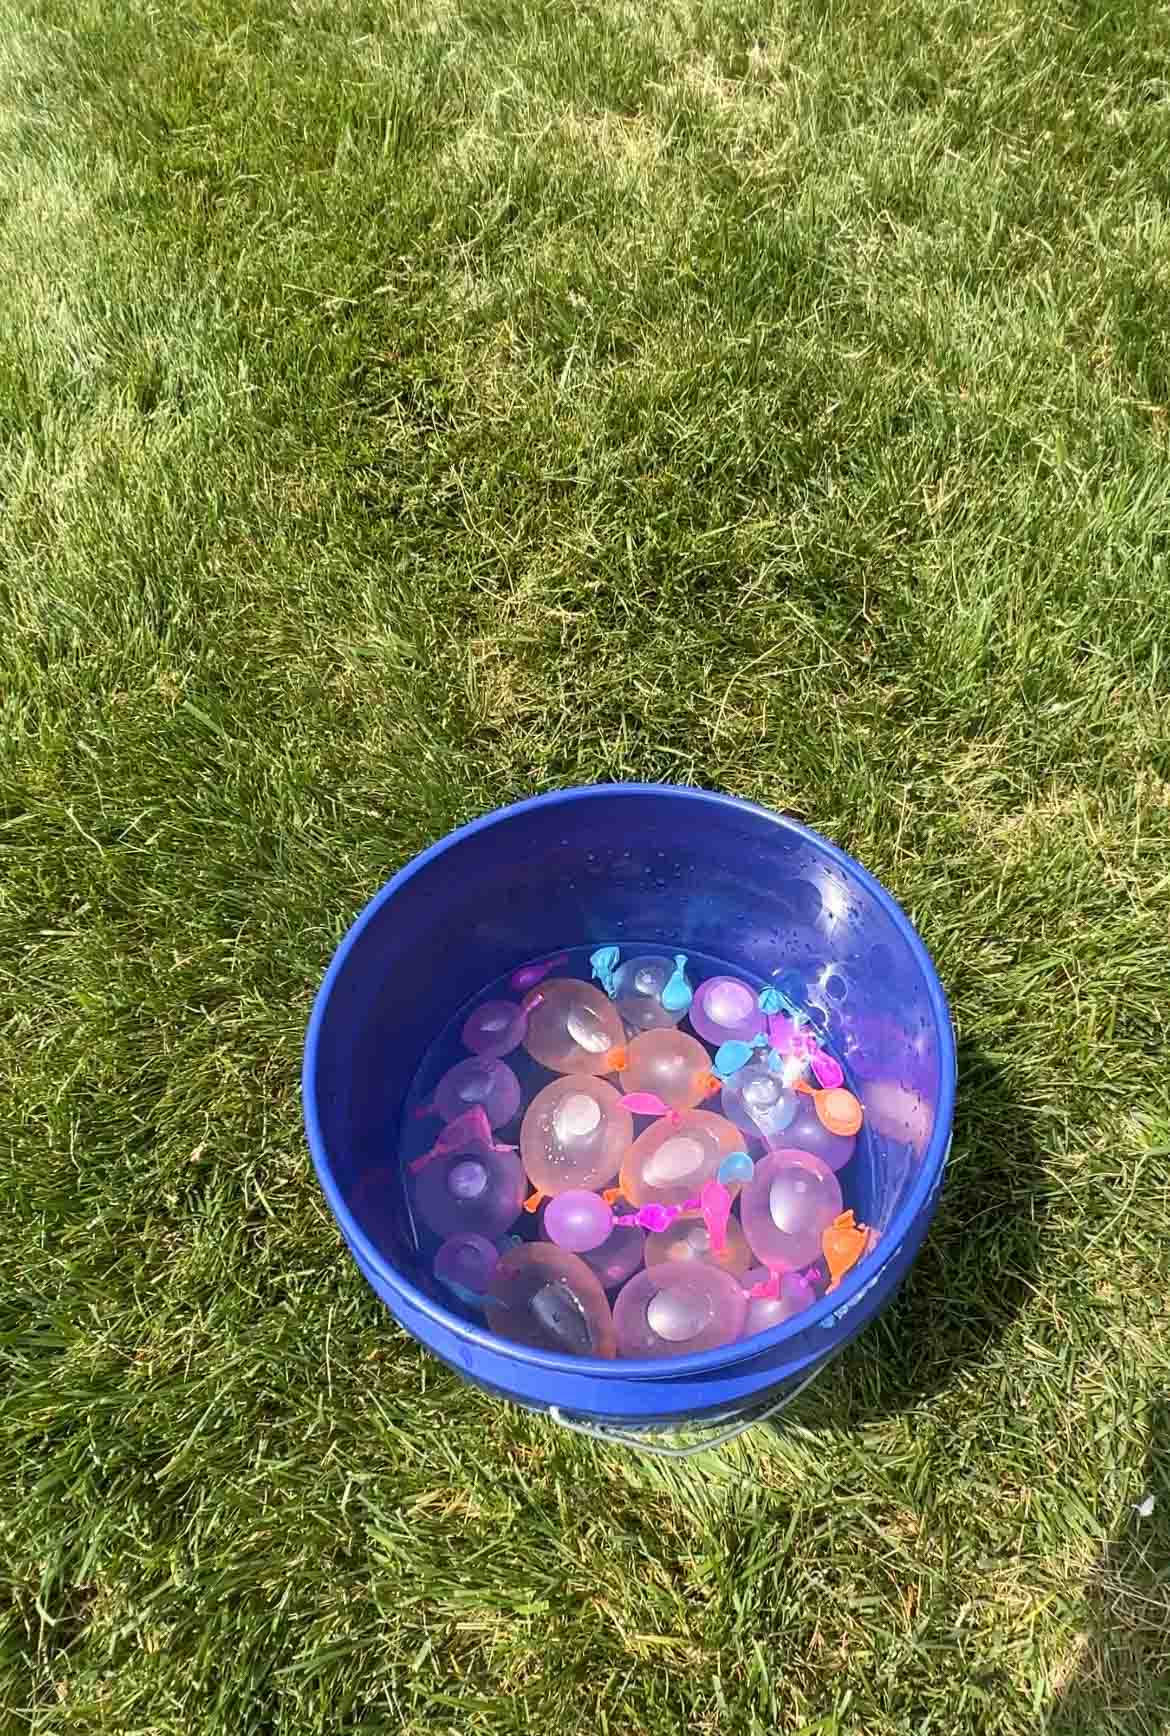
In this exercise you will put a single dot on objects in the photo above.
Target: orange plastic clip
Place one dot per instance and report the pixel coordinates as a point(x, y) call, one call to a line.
point(843, 1244)
point(617, 1060)
point(838, 1110)
point(532, 1203)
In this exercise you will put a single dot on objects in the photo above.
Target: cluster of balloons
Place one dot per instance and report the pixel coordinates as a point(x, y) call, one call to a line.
point(706, 1224)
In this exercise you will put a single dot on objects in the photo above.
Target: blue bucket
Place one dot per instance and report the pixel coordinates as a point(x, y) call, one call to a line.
point(666, 868)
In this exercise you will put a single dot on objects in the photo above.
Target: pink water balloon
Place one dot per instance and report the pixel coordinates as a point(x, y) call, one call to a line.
point(575, 1134)
point(668, 1163)
point(573, 1028)
point(790, 1201)
point(676, 1308)
point(669, 1065)
point(793, 1295)
point(689, 1238)
point(548, 1298)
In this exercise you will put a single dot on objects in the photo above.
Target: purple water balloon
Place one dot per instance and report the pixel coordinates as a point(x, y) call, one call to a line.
point(495, 1029)
point(796, 1294)
point(786, 1207)
point(675, 1309)
point(489, 1084)
point(759, 1102)
point(618, 1257)
point(466, 1262)
point(577, 1220)
point(478, 1190)
point(807, 1132)
point(726, 1010)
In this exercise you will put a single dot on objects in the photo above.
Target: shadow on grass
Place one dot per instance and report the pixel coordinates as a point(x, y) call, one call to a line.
point(972, 1275)
point(1120, 1681)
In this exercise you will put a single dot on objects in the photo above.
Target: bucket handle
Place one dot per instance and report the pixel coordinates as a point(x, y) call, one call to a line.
point(628, 1438)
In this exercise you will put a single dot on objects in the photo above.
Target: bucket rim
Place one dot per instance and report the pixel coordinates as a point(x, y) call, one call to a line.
point(479, 1338)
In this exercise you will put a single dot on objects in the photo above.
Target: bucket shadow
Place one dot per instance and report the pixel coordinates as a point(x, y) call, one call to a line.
point(973, 1274)
point(1120, 1682)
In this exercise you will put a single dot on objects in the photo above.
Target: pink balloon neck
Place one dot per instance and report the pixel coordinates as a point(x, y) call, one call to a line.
point(469, 1129)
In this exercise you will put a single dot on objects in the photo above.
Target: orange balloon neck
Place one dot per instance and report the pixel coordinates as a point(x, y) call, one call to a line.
point(843, 1244)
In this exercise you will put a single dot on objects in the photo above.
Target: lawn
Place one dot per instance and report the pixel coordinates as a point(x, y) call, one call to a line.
point(406, 407)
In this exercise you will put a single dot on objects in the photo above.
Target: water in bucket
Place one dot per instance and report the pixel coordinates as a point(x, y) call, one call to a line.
point(649, 1072)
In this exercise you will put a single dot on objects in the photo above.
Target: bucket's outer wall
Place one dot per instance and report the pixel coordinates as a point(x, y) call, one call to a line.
point(660, 866)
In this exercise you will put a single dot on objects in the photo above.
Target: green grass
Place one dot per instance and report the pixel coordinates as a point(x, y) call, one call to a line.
point(407, 407)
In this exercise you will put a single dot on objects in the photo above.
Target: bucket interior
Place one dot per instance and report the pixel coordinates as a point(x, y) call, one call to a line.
point(640, 868)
